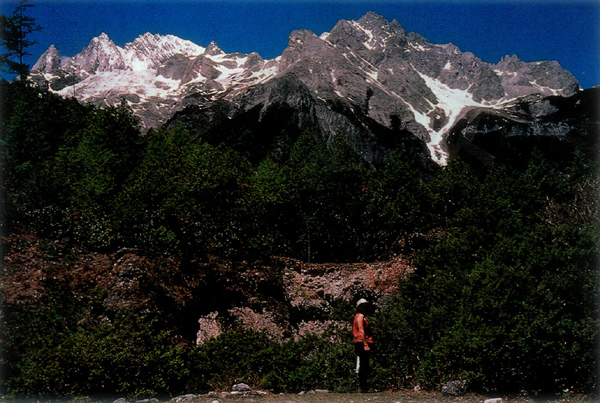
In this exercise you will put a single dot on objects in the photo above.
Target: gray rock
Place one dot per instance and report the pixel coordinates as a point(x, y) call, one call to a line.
point(174, 67)
point(454, 388)
point(99, 56)
point(241, 387)
point(213, 49)
point(547, 77)
point(210, 327)
point(48, 62)
point(184, 399)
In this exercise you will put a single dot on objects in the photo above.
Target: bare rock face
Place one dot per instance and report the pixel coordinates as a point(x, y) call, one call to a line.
point(287, 298)
point(557, 127)
point(49, 61)
point(213, 49)
point(308, 294)
point(547, 77)
point(99, 56)
point(209, 328)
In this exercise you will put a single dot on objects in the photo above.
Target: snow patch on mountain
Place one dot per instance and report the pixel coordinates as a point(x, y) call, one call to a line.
point(151, 68)
point(141, 84)
point(369, 43)
point(149, 50)
point(544, 89)
point(453, 103)
point(418, 47)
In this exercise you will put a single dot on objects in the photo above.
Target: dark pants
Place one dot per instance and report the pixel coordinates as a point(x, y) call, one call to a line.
point(365, 365)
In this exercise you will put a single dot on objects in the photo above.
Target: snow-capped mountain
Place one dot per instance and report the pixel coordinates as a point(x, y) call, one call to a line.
point(360, 74)
point(153, 73)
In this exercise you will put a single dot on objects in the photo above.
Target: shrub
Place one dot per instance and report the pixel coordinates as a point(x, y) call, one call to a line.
point(506, 299)
point(126, 355)
point(234, 356)
point(312, 362)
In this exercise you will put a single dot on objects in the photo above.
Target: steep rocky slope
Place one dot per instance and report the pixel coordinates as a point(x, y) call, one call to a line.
point(560, 128)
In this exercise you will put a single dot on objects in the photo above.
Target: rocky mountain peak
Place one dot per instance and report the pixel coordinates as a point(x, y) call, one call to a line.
point(510, 63)
point(100, 55)
point(521, 78)
point(372, 32)
point(302, 44)
point(150, 50)
point(378, 23)
point(102, 38)
point(213, 50)
point(49, 61)
point(254, 61)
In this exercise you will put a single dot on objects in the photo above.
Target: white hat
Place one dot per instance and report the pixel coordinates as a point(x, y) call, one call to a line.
point(361, 301)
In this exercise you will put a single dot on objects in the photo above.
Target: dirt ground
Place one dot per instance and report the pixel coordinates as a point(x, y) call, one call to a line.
point(408, 396)
point(392, 397)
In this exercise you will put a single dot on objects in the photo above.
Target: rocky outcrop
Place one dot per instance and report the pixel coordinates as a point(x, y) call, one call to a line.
point(308, 294)
point(49, 61)
point(546, 78)
point(285, 298)
point(557, 127)
point(454, 388)
point(99, 56)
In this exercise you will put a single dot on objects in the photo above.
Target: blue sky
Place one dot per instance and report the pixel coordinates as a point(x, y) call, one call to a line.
point(567, 31)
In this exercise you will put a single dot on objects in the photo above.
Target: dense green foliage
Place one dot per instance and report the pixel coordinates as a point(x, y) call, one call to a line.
point(507, 298)
point(125, 355)
point(504, 292)
point(309, 363)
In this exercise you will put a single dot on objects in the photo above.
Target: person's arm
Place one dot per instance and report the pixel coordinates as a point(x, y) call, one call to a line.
point(361, 330)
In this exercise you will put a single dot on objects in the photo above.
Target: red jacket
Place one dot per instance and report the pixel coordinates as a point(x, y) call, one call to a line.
point(361, 329)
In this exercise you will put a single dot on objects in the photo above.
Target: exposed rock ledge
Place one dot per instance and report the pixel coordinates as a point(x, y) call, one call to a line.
point(312, 289)
point(284, 297)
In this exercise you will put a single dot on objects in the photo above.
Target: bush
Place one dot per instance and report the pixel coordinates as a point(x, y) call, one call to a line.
point(127, 355)
point(251, 357)
point(233, 357)
point(312, 362)
point(505, 300)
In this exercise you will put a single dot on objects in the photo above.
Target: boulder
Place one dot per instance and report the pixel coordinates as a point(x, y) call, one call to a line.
point(454, 388)
point(241, 387)
point(184, 399)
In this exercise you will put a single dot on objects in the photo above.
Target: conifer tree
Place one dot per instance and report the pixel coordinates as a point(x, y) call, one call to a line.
point(14, 31)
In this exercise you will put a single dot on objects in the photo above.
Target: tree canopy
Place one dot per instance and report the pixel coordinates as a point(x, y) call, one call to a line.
point(14, 33)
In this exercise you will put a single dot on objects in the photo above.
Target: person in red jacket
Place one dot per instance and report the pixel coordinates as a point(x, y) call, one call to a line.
point(363, 343)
